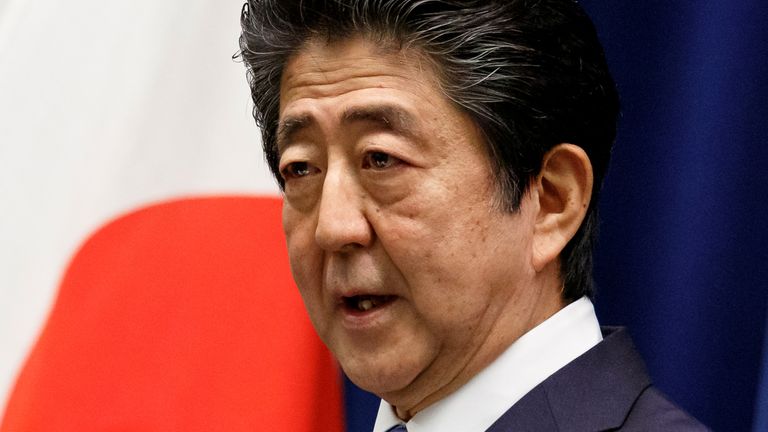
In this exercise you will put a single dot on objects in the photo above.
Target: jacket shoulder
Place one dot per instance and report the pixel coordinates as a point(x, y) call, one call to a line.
point(653, 411)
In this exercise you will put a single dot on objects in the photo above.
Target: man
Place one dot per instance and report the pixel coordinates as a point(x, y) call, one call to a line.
point(440, 162)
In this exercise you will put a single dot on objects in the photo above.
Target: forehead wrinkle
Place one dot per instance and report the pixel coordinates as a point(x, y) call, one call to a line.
point(317, 84)
point(389, 117)
point(325, 71)
point(321, 74)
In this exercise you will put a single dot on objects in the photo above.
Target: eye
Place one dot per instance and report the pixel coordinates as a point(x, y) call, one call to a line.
point(297, 170)
point(379, 160)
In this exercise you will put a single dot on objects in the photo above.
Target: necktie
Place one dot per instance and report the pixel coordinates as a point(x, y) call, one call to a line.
point(398, 428)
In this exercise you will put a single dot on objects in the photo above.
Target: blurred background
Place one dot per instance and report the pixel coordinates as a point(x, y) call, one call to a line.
point(106, 107)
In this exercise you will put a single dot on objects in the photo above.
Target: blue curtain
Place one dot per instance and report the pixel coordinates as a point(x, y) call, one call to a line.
point(682, 257)
point(761, 408)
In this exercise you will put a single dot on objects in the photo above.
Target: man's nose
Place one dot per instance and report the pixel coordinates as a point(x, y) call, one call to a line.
point(341, 222)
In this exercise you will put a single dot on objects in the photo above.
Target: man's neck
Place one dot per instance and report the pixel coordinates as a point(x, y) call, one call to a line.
point(529, 361)
point(544, 300)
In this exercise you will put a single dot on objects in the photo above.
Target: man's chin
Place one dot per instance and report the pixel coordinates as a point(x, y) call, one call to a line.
point(381, 380)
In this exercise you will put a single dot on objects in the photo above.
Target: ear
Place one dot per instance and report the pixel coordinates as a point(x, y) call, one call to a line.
point(564, 189)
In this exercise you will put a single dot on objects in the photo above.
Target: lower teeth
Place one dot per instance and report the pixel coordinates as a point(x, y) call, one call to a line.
point(365, 305)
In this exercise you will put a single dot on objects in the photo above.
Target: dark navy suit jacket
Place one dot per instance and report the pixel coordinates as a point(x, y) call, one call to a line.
point(605, 389)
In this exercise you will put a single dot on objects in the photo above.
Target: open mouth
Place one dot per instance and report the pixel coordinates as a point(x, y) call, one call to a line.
point(365, 303)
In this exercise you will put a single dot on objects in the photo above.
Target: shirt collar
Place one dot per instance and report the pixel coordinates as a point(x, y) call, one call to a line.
point(525, 364)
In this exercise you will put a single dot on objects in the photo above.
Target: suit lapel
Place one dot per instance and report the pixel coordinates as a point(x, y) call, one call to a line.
point(531, 413)
point(592, 393)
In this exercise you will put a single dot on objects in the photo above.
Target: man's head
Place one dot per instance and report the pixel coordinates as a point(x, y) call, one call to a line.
point(440, 162)
point(530, 73)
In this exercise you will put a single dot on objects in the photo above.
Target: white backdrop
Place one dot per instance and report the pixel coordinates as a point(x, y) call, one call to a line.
point(106, 106)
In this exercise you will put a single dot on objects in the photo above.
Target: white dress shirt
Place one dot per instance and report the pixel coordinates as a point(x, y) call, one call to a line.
point(529, 361)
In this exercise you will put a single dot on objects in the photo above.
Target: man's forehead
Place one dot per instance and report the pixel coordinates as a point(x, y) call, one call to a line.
point(377, 85)
point(326, 62)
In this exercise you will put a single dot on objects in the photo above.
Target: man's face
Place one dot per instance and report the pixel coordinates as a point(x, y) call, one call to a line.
point(410, 273)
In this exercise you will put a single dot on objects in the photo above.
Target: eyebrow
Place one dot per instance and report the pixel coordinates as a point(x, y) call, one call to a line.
point(290, 126)
point(387, 117)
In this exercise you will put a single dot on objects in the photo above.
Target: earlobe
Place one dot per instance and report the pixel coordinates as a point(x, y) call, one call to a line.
point(564, 190)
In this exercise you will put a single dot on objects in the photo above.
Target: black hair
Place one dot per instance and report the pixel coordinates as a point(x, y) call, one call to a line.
point(530, 73)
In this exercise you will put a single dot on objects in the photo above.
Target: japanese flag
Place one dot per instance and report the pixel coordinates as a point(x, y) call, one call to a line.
point(108, 108)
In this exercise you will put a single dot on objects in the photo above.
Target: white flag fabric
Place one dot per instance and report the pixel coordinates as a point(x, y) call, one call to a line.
point(105, 107)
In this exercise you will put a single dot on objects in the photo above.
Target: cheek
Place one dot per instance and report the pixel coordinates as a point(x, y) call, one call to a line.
point(306, 268)
point(305, 258)
point(434, 243)
point(307, 273)
point(442, 268)
point(299, 228)
point(445, 258)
